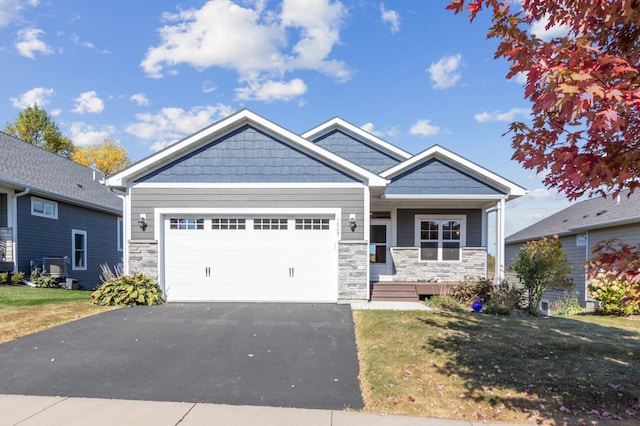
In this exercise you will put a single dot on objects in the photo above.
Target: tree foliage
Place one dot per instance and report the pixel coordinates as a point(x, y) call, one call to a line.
point(36, 126)
point(108, 157)
point(540, 265)
point(584, 88)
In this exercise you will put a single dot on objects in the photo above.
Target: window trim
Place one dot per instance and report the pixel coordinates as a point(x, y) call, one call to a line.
point(74, 267)
point(44, 203)
point(120, 232)
point(440, 217)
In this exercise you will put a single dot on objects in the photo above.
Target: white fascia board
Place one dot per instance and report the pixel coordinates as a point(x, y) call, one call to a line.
point(439, 152)
point(247, 185)
point(340, 124)
point(229, 124)
point(468, 197)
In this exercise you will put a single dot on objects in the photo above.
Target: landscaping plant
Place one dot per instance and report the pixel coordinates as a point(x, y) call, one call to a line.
point(471, 290)
point(17, 277)
point(542, 265)
point(505, 299)
point(128, 290)
point(43, 281)
point(611, 292)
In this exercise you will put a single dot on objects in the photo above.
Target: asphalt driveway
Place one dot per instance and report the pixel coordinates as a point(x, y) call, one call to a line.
point(269, 354)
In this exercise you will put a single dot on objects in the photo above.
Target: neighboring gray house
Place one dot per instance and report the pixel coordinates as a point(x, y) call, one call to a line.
point(580, 227)
point(55, 214)
point(247, 210)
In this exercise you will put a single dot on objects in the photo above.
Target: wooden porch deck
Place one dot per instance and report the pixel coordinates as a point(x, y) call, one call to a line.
point(396, 291)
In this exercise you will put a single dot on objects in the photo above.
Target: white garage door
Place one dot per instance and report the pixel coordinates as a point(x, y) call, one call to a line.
point(256, 258)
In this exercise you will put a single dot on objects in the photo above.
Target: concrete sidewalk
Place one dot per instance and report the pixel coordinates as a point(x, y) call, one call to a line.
point(47, 410)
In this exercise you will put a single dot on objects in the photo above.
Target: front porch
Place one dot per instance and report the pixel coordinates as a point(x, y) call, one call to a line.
point(399, 291)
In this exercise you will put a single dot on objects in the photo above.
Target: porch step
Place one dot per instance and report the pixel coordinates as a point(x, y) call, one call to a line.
point(391, 292)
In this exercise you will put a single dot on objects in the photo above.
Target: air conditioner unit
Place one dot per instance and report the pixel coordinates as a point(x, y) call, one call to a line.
point(55, 266)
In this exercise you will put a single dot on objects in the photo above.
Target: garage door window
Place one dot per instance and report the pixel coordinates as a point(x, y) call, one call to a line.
point(259, 223)
point(186, 223)
point(231, 223)
point(312, 224)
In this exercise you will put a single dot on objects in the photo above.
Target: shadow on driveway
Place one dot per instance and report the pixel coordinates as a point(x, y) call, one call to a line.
point(267, 354)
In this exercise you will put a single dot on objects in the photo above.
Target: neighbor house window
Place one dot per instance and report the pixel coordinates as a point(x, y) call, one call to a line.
point(79, 249)
point(44, 208)
point(120, 234)
point(440, 238)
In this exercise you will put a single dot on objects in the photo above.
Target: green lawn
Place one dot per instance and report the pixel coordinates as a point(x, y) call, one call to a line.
point(25, 310)
point(480, 367)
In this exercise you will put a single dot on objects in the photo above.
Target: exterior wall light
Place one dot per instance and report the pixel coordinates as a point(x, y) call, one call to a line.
point(352, 222)
point(142, 222)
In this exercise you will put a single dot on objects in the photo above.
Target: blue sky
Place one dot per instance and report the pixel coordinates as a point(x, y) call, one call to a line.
point(147, 74)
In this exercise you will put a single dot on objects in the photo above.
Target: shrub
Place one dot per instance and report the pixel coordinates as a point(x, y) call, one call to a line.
point(43, 281)
point(567, 306)
point(505, 299)
point(17, 277)
point(540, 265)
point(612, 293)
point(4, 277)
point(470, 290)
point(446, 303)
point(128, 290)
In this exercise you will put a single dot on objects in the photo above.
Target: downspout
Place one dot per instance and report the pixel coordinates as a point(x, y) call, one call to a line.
point(14, 237)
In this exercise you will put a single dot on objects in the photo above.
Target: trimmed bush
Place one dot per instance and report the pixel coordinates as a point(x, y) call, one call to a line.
point(4, 277)
point(128, 290)
point(611, 292)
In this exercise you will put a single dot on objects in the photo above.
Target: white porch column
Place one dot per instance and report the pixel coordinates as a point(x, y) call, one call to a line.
point(500, 265)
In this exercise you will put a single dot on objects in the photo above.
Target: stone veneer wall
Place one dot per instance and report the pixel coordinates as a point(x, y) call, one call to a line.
point(353, 268)
point(408, 267)
point(143, 257)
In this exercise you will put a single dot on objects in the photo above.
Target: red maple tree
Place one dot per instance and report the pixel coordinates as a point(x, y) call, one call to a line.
point(584, 87)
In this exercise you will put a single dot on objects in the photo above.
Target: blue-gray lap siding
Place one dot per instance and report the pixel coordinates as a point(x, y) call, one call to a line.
point(357, 152)
point(246, 155)
point(407, 220)
point(436, 177)
point(40, 237)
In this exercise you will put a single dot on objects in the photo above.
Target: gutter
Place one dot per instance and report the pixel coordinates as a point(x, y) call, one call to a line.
point(20, 194)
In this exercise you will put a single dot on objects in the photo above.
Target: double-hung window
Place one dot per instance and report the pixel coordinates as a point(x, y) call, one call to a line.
point(440, 237)
point(79, 249)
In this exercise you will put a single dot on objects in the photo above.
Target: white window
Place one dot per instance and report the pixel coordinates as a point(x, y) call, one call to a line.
point(186, 223)
point(312, 224)
point(230, 223)
point(440, 237)
point(44, 208)
point(120, 234)
point(277, 224)
point(79, 250)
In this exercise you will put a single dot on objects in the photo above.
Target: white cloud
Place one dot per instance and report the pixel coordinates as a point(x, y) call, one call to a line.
point(540, 30)
point(272, 90)
point(370, 128)
point(10, 10)
point(88, 102)
point(37, 95)
point(391, 17)
point(28, 43)
point(140, 99)
point(507, 116)
point(424, 128)
point(83, 134)
point(444, 73)
point(521, 78)
point(260, 45)
point(208, 87)
point(172, 124)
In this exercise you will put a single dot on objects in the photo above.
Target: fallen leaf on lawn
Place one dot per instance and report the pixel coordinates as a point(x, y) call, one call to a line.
point(411, 399)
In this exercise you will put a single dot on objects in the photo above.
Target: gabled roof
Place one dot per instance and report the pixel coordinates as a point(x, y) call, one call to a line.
point(599, 212)
point(445, 156)
point(358, 133)
point(23, 165)
point(224, 127)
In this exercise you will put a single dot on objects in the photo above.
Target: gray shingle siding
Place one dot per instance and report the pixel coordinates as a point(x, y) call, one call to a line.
point(246, 155)
point(436, 177)
point(350, 200)
point(44, 237)
point(406, 225)
point(357, 152)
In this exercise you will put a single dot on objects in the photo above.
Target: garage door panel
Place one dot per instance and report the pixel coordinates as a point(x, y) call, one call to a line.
point(263, 259)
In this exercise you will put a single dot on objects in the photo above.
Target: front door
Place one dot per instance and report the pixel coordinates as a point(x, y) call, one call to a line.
point(379, 250)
